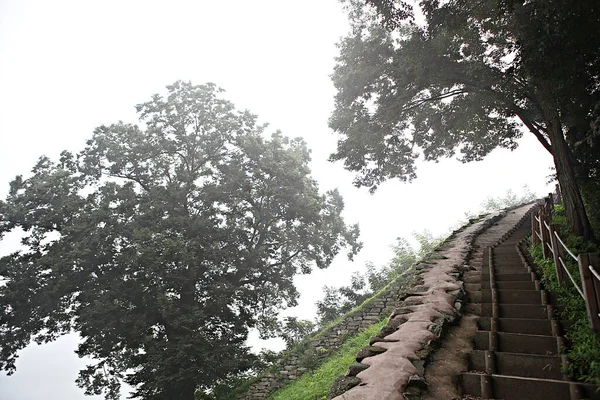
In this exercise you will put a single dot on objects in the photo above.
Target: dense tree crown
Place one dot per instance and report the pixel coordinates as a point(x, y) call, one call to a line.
point(463, 80)
point(162, 244)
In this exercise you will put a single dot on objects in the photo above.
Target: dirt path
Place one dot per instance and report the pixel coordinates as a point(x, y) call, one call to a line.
point(451, 358)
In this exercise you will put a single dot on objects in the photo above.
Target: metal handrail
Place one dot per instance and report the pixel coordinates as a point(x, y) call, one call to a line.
point(571, 277)
point(565, 246)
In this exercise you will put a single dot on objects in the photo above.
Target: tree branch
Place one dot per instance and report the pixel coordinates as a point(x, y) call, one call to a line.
point(442, 96)
point(136, 180)
point(532, 126)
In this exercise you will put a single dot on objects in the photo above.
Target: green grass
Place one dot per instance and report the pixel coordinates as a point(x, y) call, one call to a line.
point(315, 385)
point(310, 359)
point(584, 346)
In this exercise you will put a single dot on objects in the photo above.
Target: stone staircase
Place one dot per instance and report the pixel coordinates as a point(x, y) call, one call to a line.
point(518, 346)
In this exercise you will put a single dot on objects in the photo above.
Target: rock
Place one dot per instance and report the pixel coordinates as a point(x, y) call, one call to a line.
point(375, 339)
point(416, 386)
point(356, 369)
point(387, 330)
point(420, 366)
point(341, 385)
point(457, 306)
point(400, 311)
point(369, 351)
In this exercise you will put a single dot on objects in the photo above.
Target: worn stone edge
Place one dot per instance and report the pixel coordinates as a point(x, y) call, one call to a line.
point(439, 326)
point(401, 287)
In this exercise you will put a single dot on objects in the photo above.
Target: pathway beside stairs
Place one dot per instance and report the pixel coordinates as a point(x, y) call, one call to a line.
point(509, 339)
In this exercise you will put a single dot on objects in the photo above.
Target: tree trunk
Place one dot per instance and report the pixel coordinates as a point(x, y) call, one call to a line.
point(577, 218)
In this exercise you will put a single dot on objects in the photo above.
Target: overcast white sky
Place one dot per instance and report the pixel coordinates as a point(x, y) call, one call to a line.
point(69, 66)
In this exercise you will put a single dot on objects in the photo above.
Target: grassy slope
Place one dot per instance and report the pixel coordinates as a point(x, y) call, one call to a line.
point(315, 385)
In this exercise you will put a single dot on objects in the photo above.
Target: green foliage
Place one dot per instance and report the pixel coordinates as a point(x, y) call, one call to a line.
point(465, 81)
point(163, 245)
point(293, 330)
point(316, 384)
point(584, 346)
point(235, 384)
point(338, 301)
point(510, 199)
point(590, 191)
point(491, 204)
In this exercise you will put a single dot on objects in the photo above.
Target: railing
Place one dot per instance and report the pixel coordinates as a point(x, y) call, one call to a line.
point(544, 232)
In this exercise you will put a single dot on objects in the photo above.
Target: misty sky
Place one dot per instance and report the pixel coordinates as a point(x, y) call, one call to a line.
point(69, 66)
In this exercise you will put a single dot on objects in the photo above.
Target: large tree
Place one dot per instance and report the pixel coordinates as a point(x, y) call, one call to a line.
point(161, 245)
point(465, 76)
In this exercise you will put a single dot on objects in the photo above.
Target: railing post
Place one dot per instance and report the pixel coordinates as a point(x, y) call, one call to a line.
point(591, 287)
point(558, 252)
point(534, 237)
point(549, 206)
point(558, 194)
point(544, 232)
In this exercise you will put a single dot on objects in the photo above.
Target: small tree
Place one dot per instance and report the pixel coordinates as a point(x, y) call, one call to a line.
point(294, 329)
point(510, 199)
point(161, 246)
point(338, 301)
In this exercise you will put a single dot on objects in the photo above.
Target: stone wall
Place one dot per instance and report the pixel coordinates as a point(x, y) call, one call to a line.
point(312, 352)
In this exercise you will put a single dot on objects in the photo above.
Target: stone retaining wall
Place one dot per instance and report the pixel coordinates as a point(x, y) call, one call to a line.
point(316, 350)
point(313, 352)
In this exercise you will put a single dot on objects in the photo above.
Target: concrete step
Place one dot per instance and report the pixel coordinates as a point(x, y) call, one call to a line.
point(516, 364)
point(517, 343)
point(522, 388)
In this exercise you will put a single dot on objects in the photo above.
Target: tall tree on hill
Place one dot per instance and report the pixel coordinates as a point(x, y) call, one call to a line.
point(465, 79)
point(161, 246)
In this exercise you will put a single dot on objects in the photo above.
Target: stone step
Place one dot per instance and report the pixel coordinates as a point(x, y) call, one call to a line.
point(505, 296)
point(507, 271)
point(522, 388)
point(517, 276)
point(510, 285)
point(528, 311)
point(518, 343)
point(516, 364)
point(517, 325)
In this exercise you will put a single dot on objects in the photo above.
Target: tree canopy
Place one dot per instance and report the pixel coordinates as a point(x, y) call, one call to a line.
point(464, 80)
point(163, 244)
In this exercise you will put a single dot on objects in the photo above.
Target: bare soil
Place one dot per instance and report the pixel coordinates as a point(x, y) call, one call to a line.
point(443, 372)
